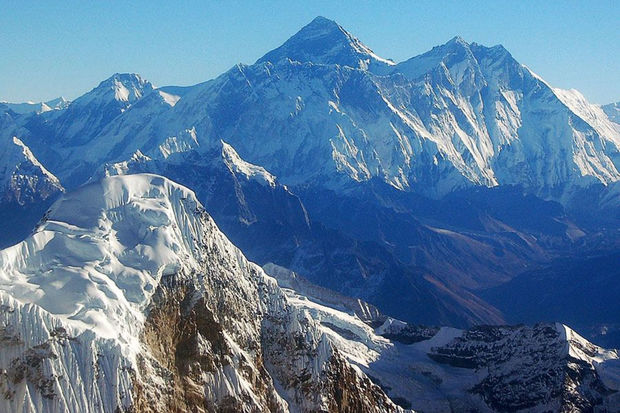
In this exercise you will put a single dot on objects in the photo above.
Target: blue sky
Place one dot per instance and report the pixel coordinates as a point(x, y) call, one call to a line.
point(51, 48)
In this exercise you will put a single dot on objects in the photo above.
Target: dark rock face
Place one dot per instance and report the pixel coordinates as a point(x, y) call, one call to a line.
point(30, 368)
point(188, 335)
point(410, 334)
point(527, 367)
point(349, 394)
point(187, 341)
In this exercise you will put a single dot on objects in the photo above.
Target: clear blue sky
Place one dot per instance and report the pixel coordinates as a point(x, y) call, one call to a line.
point(53, 48)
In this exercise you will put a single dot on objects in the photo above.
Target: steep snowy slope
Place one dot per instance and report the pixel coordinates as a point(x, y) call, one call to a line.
point(612, 111)
point(23, 180)
point(127, 297)
point(518, 128)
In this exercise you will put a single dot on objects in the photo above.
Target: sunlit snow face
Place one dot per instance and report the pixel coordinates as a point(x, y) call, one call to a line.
point(97, 258)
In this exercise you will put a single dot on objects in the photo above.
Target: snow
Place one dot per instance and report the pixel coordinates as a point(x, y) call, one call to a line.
point(323, 108)
point(101, 251)
point(606, 362)
point(323, 41)
point(408, 372)
point(22, 177)
point(590, 113)
point(122, 87)
point(169, 98)
point(80, 288)
point(250, 171)
point(37, 107)
point(612, 111)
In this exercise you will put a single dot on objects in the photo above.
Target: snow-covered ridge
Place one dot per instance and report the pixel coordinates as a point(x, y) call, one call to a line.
point(250, 171)
point(22, 177)
point(594, 115)
point(123, 87)
point(486, 368)
point(36, 107)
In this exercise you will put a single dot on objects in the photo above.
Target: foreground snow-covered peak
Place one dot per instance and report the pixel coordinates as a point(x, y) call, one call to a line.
point(130, 280)
point(324, 41)
point(101, 250)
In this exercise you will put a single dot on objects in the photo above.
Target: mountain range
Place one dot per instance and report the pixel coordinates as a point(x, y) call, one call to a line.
point(456, 188)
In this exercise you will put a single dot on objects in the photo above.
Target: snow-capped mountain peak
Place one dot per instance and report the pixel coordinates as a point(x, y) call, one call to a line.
point(36, 107)
point(324, 41)
point(238, 166)
point(455, 52)
point(90, 113)
point(137, 229)
point(121, 87)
